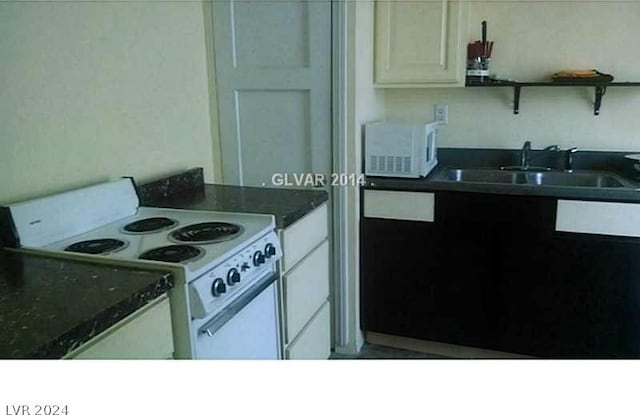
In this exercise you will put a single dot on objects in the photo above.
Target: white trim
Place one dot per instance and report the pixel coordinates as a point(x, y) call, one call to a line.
point(600, 218)
point(339, 145)
point(236, 116)
point(414, 206)
point(216, 145)
point(347, 213)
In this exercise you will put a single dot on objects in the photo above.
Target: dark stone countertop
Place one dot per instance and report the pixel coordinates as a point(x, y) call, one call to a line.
point(287, 205)
point(187, 191)
point(608, 162)
point(50, 306)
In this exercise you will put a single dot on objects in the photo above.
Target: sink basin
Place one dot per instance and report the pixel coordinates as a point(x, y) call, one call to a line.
point(547, 178)
point(573, 179)
point(485, 176)
point(528, 168)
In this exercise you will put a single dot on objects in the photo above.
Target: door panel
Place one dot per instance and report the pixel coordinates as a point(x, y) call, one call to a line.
point(432, 47)
point(274, 132)
point(273, 40)
point(273, 80)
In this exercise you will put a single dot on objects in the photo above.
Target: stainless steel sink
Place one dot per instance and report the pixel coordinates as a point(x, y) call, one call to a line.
point(573, 179)
point(485, 176)
point(547, 178)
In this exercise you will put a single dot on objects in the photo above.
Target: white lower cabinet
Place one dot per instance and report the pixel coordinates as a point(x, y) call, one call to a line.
point(303, 236)
point(145, 334)
point(306, 289)
point(314, 342)
point(304, 269)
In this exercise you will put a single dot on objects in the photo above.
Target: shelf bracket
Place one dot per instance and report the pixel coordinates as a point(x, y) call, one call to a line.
point(516, 99)
point(600, 91)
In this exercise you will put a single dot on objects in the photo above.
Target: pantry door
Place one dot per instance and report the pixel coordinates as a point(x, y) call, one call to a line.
point(273, 83)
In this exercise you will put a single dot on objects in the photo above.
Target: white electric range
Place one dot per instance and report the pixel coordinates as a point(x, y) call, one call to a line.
point(225, 301)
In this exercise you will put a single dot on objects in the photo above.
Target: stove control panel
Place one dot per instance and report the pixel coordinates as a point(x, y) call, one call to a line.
point(219, 286)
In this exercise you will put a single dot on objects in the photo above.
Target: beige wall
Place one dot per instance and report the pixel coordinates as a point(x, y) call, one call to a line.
point(91, 91)
point(533, 39)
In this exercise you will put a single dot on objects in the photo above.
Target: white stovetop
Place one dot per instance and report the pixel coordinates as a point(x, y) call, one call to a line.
point(255, 226)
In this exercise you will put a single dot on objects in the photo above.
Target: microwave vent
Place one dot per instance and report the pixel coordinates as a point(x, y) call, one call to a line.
point(390, 164)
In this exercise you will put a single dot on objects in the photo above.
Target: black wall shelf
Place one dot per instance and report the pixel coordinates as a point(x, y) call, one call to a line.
point(600, 89)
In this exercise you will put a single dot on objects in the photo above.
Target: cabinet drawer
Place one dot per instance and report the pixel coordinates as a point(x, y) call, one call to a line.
point(604, 218)
point(315, 340)
point(306, 288)
point(302, 236)
point(146, 334)
point(384, 204)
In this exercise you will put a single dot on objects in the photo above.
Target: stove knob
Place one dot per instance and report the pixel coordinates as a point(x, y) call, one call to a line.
point(233, 277)
point(269, 250)
point(258, 258)
point(218, 288)
point(245, 266)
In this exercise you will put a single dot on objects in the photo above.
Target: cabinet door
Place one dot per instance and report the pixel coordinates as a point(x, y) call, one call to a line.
point(395, 256)
point(306, 288)
point(303, 236)
point(420, 43)
point(567, 294)
point(584, 304)
point(314, 342)
point(430, 281)
point(469, 234)
point(525, 256)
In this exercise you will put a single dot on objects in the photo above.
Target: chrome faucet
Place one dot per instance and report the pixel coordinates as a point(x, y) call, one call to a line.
point(568, 158)
point(524, 154)
point(525, 158)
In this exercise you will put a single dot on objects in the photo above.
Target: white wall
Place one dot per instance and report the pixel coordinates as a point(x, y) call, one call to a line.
point(91, 91)
point(533, 39)
point(364, 104)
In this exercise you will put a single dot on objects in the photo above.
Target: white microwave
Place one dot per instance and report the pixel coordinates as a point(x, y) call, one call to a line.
point(400, 149)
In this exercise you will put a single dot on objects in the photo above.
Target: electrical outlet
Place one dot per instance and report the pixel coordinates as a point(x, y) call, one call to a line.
point(441, 113)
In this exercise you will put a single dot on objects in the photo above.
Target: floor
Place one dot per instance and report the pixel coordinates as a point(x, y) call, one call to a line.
point(374, 351)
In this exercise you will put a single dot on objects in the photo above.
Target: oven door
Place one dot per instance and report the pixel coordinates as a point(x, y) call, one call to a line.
point(246, 329)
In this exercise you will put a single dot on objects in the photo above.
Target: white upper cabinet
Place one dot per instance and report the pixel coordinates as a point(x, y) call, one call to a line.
point(420, 43)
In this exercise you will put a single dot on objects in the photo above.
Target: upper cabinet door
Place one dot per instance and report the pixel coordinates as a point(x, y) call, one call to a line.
point(420, 43)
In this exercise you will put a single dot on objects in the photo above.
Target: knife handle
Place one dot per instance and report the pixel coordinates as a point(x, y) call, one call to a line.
point(484, 34)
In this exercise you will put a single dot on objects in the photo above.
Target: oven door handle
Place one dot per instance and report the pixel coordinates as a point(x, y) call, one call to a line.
point(234, 308)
